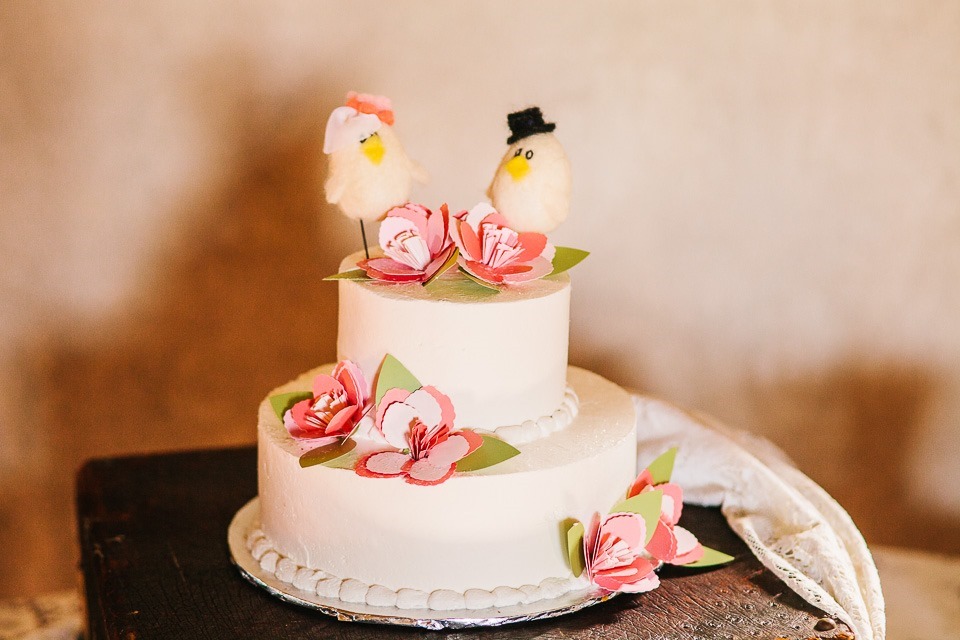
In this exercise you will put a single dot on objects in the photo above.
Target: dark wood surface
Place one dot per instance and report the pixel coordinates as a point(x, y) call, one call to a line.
point(155, 564)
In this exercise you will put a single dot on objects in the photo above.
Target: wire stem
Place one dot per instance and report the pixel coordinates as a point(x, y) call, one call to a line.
point(363, 232)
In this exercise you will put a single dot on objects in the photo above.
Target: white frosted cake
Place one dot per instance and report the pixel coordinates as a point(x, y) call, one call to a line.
point(451, 460)
point(482, 538)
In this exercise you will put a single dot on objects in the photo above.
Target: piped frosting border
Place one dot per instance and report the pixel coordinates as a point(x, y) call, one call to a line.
point(530, 430)
point(350, 590)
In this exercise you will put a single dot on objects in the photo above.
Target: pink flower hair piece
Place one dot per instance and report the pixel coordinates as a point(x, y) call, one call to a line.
point(420, 425)
point(338, 403)
point(493, 252)
point(379, 106)
point(613, 554)
point(670, 542)
point(415, 243)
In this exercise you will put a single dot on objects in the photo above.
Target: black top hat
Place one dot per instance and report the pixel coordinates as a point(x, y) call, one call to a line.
point(527, 123)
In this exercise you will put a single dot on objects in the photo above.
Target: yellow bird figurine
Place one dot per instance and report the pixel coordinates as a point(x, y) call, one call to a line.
point(369, 172)
point(531, 187)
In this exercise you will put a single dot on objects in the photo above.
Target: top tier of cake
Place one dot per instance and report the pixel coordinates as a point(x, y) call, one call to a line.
point(501, 358)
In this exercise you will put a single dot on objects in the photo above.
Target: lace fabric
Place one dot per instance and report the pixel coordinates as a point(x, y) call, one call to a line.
point(789, 523)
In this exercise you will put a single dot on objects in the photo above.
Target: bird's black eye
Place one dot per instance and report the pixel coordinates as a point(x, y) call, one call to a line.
point(529, 154)
point(519, 151)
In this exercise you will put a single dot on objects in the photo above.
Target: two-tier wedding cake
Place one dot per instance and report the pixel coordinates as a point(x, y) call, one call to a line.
point(451, 459)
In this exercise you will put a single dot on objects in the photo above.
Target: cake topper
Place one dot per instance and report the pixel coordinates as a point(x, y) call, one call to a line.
point(495, 247)
point(369, 172)
point(531, 187)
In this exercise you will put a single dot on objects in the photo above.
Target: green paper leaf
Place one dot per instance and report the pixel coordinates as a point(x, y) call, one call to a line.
point(646, 505)
point(447, 264)
point(482, 283)
point(573, 536)
point(711, 558)
point(282, 402)
point(343, 462)
point(458, 288)
point(662, 468)
point(353, 274)
point(566, 258)
point(492, 451)
point(394, 375)
point(327, 453)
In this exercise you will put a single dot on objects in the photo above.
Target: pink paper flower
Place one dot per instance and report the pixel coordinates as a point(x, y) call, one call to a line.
point(613, 553)
point(415, 243)
point(338, 403)
point(420, 426)
point(493, 252)
point(670, 542)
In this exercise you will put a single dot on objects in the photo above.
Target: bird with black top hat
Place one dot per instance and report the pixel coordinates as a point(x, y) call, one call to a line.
point(531, 187)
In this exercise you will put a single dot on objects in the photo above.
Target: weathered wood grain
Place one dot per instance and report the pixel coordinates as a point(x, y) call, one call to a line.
point(155, 565)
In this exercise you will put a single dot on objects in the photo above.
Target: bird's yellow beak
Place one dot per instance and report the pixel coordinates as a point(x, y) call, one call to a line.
point(517, 167)
point(373, 148)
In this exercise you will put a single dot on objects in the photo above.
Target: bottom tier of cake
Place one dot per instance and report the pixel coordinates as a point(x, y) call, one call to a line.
point(485, 538)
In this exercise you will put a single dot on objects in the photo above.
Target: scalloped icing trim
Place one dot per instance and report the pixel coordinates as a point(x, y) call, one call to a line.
point(349, 590)
point(530, 430)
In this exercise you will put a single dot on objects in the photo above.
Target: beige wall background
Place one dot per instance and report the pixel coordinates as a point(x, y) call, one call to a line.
point(771, 192)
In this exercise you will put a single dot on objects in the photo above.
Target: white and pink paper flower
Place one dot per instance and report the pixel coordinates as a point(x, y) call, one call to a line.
point(419, 425)
point(415, 243)
point(493, 252)
point(614, 554)
point(670, 542)
point(339, 402)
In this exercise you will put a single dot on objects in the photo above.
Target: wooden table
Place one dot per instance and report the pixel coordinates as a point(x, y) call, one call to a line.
point(155, 565)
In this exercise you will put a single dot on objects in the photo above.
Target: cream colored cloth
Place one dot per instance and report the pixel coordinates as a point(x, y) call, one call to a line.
point(792, 525)
point(52, 616)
